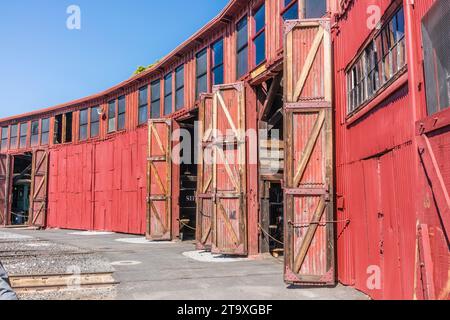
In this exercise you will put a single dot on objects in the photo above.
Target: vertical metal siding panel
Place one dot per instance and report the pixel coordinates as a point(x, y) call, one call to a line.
point(389, 125)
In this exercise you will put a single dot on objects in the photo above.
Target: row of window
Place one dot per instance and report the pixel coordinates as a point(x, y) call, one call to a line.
point(173, 99)
point(18, 135)
point(382, 59)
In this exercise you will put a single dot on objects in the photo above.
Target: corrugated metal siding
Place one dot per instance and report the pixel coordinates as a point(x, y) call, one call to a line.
point(375, 170)
point(112, 194)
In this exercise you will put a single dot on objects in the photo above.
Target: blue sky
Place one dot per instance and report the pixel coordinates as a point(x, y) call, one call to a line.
point(42, 63)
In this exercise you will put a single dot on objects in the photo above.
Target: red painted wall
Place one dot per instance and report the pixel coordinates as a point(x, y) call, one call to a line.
point(381, 186)
point(101, 185)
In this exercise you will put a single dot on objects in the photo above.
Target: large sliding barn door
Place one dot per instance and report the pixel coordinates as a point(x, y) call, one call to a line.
point(159, 165)
point(309, 211)
point(4, 186)
point(39, 189)
point(223, 162)
point(205, 192)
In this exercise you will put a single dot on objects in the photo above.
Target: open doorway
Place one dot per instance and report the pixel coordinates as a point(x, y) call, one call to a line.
point(188, 178)
point(21, 189)
point(271, 165)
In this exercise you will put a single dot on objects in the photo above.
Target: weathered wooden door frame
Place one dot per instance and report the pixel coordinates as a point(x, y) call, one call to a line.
point(211, 140)
point(295, 105)
point(241, 186)
point(425, 128)
point(204, 190)
point(166, 147)
point(4, 215)
point(39, 169)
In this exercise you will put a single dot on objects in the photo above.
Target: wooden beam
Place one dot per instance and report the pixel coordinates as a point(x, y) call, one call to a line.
point(308, 65)
point(307, 240)
point(271, 95)
point(307, 153)
point(437, 182)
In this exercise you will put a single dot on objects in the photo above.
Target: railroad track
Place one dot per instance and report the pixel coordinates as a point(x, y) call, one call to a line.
point(61, 282)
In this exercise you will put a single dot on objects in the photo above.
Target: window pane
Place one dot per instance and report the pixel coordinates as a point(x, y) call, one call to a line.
point(122, 105)
point(242, 61)
point(44, 138)
point(202, 65)
point(95, 117)
point(217, 53)
point(436, 44)
point(83, 116)
point(179, 77)
point(111, 116)
point(179, 98)
point(218, 75)
point(155, 109)
point(143, 96)
point(291, 13)
point(121, 121)
point(168, 94)
point(34, 133)
point(156, 90)
point(315, 8)
point(23, 135)
point(143, 113)
point(202, 84)
point(35, 127)
point(400, 24)
point(45, 125)
point(83, 132)
point(260, 18)
point(95, 129)
point(242, 33)
point(168, 104)
point(4, 145)
point(168, 84)
point(260, 48)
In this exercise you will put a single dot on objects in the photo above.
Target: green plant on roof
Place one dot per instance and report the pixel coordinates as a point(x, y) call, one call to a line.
point(141, 69)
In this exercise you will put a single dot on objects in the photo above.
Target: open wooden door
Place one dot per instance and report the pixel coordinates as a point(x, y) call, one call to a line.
point(309, 209)
point(223, 183)
point(159, 165)
point(205, 192)
point(4, 186)
point(39, 189)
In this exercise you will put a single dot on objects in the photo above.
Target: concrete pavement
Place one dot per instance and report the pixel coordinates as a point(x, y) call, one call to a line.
point(172, 270)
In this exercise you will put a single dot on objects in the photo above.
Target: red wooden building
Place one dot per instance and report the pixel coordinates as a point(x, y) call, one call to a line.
point(312, 130)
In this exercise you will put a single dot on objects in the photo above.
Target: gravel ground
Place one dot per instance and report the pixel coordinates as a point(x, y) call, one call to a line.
point(25, 255)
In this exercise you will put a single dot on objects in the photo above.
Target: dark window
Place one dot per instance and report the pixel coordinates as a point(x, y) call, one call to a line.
point(111, 116)
point(121, 112)
point(4, 145)
point(143, 105)
point(202, 73)
point(95, 122)
point(382, 59)
point(217, 62)
point(34, 133)
point(84, 124)
point(23, 135)
point(45, 129)
point(242, 47)
point(68, 133)
point(13, 140)
point(290, 11)
point(58, 133)
point(179, 87)
point(315, 8)
point(155, 112)
point(436, 44)
point(168, 94)
point(259, 39)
